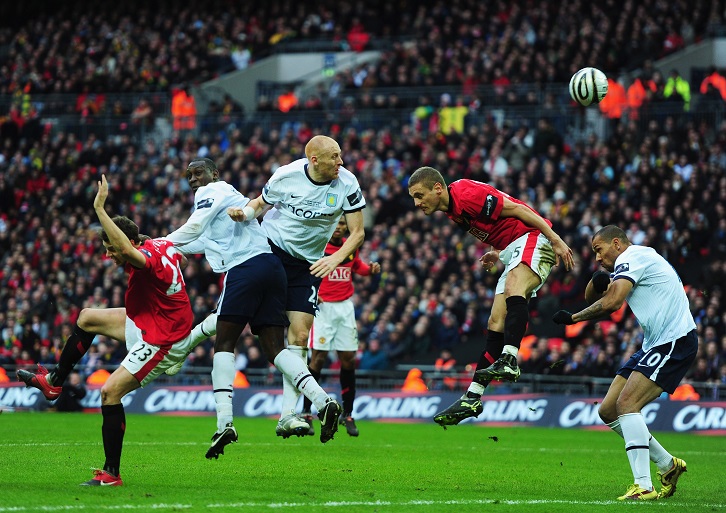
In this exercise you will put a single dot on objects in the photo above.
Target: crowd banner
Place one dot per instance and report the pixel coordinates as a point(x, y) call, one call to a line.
point(544, 410)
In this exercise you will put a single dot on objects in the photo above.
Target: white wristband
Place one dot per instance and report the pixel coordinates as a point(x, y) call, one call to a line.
point(249, 213)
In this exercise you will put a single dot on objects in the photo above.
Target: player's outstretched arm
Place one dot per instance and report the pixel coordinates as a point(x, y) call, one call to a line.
point(116, 237)
point(255, 208)
point(611, 301)
point(533, 219)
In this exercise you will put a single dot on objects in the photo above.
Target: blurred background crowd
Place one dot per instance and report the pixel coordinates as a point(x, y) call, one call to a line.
point(475, 89)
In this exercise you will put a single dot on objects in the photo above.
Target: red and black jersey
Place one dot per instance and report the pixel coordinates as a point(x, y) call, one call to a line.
point(476, 206)
point(338, 285)
point(156, 298)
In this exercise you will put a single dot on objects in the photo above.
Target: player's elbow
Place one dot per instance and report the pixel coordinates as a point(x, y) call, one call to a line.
point(591, 295)
point(357, 235)
point(126, 252)
point(610, 305)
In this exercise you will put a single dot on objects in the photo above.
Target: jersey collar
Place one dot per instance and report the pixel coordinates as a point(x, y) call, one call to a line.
point(313, 181)
point(450, 209)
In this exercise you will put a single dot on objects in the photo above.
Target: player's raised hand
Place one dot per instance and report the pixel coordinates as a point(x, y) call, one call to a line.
point(375, 267)
point(100, 200)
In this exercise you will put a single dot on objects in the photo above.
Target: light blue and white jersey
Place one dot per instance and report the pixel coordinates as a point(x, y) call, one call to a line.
point(209, 229)
point(657, 298)
point(305, 213)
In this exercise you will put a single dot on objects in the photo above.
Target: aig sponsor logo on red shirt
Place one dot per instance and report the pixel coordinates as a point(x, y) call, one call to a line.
point(340, 274)
point(479, 234)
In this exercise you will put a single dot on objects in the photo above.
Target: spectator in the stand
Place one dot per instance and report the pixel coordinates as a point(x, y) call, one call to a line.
point(357, 37)
point(256, 359)
point(517, 149)
point(373, 358)
point(451, 117)
point(74, 390)
point(200, 358)
point(677, 88)
point(143, 114)
point(287, 101)
point(714, 82)
point(637, 95)
point(545, 137)
point(537, 361)
point(496, 166)
point(601, 367)
point(183, 109)
point(614, 103)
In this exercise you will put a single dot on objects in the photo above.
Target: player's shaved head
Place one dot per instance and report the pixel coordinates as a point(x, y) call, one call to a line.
point(319, 145)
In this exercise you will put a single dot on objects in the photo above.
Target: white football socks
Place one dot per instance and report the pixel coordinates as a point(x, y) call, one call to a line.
point(295, 370)
point(636, 435)
point(290, 393)
point(510, 350)
point(205, 329)
point(222, 378)
point(476, 388)
point(658, 455)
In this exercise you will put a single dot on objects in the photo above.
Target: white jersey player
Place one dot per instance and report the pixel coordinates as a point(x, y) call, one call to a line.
point(655, 293)
point(224, 243)
point(302, 203)
point(254, 293)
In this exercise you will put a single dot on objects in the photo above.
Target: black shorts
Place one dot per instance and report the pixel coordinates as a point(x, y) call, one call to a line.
point(665, 364)
point(254, 292)
point(302, 287)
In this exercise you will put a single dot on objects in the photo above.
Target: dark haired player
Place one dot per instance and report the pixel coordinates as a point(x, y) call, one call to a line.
point(655, 294)
point(527, 246)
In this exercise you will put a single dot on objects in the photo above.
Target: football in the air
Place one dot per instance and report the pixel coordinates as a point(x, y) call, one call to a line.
point(589, 85)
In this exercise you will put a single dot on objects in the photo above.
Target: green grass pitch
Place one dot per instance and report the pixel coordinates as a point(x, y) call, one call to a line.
point(391, 467)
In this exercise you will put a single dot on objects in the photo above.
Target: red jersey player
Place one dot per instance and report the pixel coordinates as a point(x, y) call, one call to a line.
point(334, 327)
point(155, 325)
point(527, 246)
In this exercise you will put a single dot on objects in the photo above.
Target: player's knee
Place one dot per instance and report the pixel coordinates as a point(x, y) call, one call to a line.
point(318, 360)
point(298, 337)
point(607, 414)
point(109, 394)
point(624, 406)
point(347, 360)
point(84, 319)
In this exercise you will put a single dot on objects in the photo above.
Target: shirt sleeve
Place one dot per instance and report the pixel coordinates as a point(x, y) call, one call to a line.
point(354, 200)
point(151, 252)
point(195, 247)
point(629, 269)
point(271, 191)
point(206, 208)
point(484, 202)
point(360, 267)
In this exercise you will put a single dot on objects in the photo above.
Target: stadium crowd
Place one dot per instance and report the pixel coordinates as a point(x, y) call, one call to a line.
point(659, 176)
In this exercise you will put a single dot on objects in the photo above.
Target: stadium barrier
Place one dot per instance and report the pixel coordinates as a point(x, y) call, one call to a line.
point(543, 410)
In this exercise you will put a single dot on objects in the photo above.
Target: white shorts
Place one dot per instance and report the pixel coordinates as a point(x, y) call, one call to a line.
point(147, 361)
point(534, 250)
point(334, 327)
